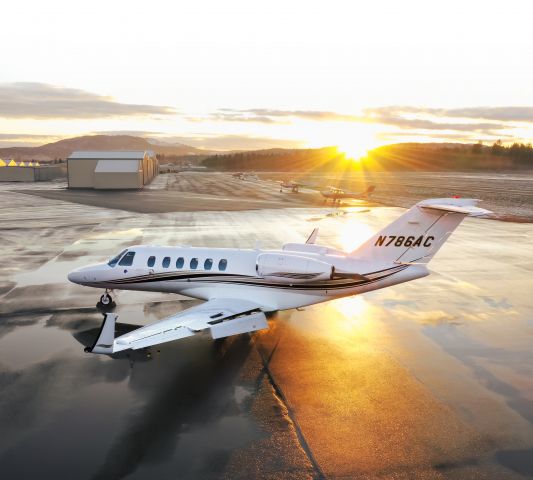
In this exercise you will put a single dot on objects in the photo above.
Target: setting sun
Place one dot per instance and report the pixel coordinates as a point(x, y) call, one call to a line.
point(355, 142)
point(353, 152)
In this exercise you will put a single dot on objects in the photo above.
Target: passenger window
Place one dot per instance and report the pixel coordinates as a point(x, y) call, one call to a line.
point(222, 264)
point(151, 261)
point(114, 260)
point(180, 262)
point(208, 264)
point(194, 263)
point(166, 262)
point(127, 260)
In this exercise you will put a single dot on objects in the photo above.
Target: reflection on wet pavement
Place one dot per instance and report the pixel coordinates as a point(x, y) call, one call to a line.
point(430, 379)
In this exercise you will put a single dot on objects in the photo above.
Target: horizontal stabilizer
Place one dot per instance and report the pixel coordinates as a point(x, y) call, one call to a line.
point(467, 206)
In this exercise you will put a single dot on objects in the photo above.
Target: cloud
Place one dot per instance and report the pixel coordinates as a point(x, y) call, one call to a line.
point(501, 114)
point(405, 118)
point(235, 142)
point(25, 139)
point(134, 133)
point(504, 114)
point(414, 136)
point(316, 115)
point(41, 100)
point(16, 136)
point(265, 115)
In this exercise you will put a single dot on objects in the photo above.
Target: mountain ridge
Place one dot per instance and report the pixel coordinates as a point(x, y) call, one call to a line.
point(63, 148)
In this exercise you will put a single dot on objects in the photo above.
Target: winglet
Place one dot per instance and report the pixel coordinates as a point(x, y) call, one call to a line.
point(106, 338)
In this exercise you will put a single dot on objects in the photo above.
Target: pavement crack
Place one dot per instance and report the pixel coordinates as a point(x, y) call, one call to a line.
point(318, 473)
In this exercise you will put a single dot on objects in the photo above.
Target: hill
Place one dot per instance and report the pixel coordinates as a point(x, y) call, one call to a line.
point(63, 148)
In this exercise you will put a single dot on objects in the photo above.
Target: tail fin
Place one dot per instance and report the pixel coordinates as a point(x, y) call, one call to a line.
point(419, 233)
point(369, 190)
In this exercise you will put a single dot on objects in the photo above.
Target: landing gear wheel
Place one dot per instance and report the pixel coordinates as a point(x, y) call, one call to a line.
point(106, 299)
point(106, 302)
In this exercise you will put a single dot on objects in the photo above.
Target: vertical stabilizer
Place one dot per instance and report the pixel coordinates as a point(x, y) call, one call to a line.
point(418, 234)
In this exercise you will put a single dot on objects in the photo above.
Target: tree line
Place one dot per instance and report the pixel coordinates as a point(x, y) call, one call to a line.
point(521, 152)
point(402, 156)
point(276, 160)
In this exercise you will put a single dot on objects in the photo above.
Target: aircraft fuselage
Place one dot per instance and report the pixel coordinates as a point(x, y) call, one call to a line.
point(207, 273)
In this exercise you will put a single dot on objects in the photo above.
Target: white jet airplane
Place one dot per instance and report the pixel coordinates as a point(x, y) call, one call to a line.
point(240, 286)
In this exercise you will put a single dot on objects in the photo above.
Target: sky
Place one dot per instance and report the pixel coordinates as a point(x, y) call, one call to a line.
point(244, 74)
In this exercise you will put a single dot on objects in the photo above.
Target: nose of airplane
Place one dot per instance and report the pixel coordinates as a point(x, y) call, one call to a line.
point(76, 276)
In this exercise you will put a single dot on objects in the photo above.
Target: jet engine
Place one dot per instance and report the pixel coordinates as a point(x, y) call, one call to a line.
point(282, 268)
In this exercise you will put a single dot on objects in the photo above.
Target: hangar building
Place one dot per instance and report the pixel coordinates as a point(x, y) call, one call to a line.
point(111, 170)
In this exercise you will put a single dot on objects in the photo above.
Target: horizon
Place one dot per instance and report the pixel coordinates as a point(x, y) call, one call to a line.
point(242, 79)
point(172, 142)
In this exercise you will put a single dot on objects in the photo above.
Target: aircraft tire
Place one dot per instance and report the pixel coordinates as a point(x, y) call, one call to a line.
point(106, 300)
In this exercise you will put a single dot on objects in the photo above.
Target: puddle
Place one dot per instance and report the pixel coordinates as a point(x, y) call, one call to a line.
point(32, 343)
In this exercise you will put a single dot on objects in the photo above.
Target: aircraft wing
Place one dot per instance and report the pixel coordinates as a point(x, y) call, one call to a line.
point(223, 317)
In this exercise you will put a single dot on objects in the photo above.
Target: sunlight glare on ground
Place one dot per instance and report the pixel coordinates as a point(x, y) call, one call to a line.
point(353, 317)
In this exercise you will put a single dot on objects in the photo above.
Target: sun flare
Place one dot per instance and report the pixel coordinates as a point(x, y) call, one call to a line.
point(356, 142)
point(353, 152)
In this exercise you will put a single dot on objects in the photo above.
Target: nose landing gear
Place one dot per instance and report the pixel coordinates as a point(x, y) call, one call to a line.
point(106, 302)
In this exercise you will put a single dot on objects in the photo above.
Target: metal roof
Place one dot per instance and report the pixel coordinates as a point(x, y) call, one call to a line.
point(109, 155)
point(117, 166)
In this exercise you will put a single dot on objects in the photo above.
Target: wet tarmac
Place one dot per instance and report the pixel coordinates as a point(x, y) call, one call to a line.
point(509, 195)
point(430, 379)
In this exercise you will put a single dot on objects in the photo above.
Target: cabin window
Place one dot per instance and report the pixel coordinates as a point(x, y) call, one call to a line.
point(151, 261)
point(180, 262)
point(166, 262)
point(222, 265)
point(208, 264)
point(127, 260)
point(194, 263)
point(114, 260)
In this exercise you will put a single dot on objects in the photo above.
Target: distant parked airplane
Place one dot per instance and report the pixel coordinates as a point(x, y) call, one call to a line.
point(245, 176)
point(290, 185)
point(240, 286)
point(337, 194)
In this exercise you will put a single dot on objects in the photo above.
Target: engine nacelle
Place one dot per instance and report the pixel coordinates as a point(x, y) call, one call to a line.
point(282, 268)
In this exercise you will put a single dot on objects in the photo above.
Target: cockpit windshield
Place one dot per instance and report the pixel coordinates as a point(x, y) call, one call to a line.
point(115, 260)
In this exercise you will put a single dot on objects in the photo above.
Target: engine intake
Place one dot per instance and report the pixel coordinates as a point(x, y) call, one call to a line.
point(282, 268)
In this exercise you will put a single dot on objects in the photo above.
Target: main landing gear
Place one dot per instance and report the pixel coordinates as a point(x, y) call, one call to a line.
point(106, 302)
